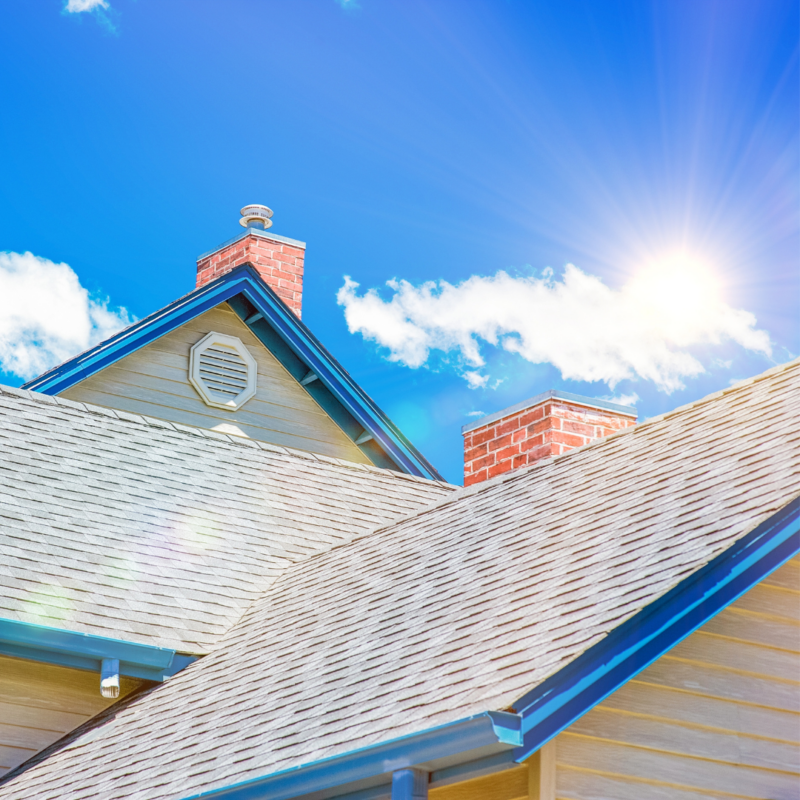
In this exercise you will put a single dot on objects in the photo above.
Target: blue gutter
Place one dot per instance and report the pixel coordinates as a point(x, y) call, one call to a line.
point(496, 730)
point(245, 281)
point(564, 697)
point(85, 651)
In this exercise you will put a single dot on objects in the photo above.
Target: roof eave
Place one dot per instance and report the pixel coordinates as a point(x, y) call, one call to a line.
point(468, 739)
point(86, 651)
point(557, 702)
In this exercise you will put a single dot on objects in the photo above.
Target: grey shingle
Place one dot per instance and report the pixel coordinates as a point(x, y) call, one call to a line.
point(452, 610)
point(130, 526)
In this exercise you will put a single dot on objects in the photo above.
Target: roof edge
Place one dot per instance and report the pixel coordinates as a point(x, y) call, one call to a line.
point(561, 699)
point(35, 396)
point(486, 733)
point(85, 651)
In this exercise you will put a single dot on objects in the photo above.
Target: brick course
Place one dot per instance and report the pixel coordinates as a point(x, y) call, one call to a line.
point(550, 428)
point(279, 264)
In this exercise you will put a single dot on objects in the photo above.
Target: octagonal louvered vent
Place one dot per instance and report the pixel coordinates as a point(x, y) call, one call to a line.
point(223, 371)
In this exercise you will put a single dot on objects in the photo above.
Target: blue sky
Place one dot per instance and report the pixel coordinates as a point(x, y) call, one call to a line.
point(420, 142)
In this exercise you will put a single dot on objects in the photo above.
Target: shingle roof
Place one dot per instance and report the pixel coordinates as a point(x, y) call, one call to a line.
point(454, 610)
point(148, 531)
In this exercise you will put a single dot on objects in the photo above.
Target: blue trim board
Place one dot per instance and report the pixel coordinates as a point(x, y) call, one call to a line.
point(86, 651)
point(559, 701)
point(493, 730)
point(335, 378)
point(289, 340)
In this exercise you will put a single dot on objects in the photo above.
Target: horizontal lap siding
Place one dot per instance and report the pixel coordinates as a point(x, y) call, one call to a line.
point(511, 784)
point(718, 716)
point(39, 703)
point(154, 381)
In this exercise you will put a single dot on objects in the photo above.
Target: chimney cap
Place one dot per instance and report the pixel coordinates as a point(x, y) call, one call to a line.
point(552, 394)
point(256, 216)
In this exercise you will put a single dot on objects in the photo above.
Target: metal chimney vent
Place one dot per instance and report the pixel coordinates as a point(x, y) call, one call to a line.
point(255, 216)
point(222, 371)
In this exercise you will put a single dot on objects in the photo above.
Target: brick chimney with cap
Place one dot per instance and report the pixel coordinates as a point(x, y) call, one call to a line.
point(543, 426)
point(277, 259)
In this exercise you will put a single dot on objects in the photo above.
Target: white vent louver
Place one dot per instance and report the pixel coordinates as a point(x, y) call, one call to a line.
point(223, 371)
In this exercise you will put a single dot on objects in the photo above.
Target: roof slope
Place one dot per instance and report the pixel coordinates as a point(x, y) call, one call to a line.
point(162, 534)
point(454, 610)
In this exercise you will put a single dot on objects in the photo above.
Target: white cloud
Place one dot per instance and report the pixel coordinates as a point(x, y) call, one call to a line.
point(76, 6)
point(475, 379)
point(587, 330)
point(46, 316)
point(623, 399)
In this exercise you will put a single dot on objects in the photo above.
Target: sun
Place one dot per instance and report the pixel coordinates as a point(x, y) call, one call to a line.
point(676, 293)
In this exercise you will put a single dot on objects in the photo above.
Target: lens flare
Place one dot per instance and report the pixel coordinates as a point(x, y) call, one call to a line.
point(48, 603)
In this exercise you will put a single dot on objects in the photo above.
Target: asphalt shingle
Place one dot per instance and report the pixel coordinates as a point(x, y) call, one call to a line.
point(122, 526)
point(452, 610)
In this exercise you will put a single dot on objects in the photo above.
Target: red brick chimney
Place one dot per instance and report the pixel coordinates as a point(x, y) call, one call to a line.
point(546, 425)
point(277, 259)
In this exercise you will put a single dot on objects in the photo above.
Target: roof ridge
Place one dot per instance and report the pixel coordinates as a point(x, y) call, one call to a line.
point(190, 430)
point(647, 423)
point(736, 387)
point(469, 491)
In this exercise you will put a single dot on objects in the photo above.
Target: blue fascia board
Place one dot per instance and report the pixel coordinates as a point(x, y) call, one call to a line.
point(131, 339)
point(327, 369)
point(86, 651)
point(244, 280)
point(492, 729)
point(564, 697)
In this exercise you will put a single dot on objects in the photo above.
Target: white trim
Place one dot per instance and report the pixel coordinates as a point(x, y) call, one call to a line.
point(542, 773)
point(246, 382)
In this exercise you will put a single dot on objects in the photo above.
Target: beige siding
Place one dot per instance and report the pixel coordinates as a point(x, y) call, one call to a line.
point(154, 381)
point(533, 780)
point(511, 784)
point(39, 703)
point(718, 716)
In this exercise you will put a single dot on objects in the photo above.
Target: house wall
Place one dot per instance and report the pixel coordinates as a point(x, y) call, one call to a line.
point(511, 784)
point(154, 381)
point(533, 780)
point(39, 703)
point(717, 716)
